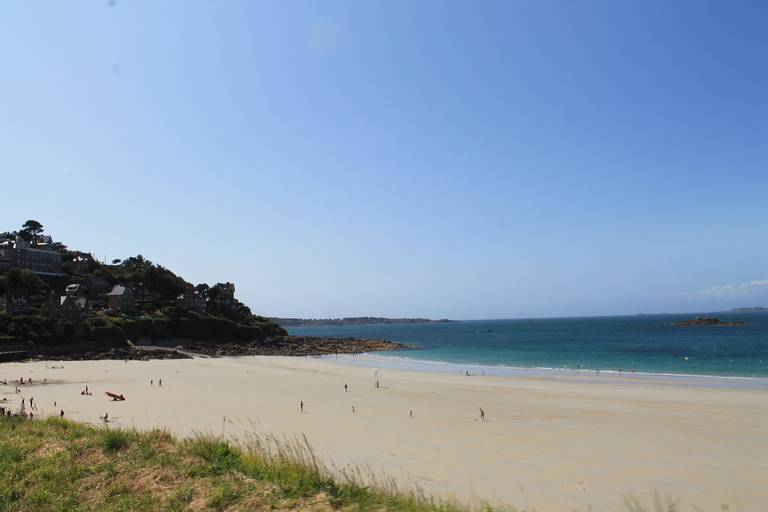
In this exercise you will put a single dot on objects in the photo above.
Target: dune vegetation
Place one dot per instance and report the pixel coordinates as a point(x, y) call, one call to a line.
point(56, 464)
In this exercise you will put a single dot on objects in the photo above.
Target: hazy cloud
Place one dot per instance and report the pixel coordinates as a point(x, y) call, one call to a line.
point(753, 289)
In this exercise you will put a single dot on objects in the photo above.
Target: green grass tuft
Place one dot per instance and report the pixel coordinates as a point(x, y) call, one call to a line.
point(218, 457)
point(116, 440)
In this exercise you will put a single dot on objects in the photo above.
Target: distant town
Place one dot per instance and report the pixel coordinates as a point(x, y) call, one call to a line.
point(355, 320)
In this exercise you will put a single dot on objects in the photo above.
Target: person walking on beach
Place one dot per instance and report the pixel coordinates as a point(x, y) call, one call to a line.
point(482, 415)
point(152, 382)
point(353, 409)
point(160, 383)
point(411, 415)
point(345, 388)
point(301, 406)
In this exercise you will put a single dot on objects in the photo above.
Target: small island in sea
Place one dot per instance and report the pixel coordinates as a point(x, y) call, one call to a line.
point(62, 303)
point(707, 321)
point(356, 320)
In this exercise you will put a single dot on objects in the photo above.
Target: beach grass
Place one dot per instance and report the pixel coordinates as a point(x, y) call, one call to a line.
point(54, 464)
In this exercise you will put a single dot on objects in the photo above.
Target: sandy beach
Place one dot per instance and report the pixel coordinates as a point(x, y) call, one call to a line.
point(547, 443)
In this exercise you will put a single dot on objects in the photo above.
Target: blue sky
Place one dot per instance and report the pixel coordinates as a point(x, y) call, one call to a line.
point(445, 159)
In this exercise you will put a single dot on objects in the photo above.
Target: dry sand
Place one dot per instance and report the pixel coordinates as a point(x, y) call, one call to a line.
point(551, 443)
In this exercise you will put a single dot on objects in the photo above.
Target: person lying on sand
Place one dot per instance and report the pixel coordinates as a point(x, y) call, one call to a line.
point(114, 396)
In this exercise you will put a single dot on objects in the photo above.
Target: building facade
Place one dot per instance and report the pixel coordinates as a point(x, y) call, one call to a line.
point(191, 300)
point(20, 255)
point(120, 298)
point(225, 295)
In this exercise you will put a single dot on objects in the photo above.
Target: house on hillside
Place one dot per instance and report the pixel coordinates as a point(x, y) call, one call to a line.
point(19, 253)
point(74, 309)
point(42, 241)
point(143, 295)
point(120, 298)
point(16, 304)
point(223, 294)
point(191, 300)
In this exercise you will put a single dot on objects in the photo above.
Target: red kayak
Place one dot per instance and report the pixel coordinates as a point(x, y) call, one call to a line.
point(115, 396)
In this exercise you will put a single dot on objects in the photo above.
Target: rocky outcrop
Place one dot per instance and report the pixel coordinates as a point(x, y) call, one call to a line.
point(186, 348)
point(707, 321)
point(295, 346)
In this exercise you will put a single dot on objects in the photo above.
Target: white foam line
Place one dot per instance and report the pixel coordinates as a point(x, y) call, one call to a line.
point(412, 364)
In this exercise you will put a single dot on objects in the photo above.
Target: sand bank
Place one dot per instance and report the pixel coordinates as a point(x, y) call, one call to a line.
point(549, 443)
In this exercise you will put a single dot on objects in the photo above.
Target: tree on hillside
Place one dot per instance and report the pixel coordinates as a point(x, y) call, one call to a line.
point(31, 228)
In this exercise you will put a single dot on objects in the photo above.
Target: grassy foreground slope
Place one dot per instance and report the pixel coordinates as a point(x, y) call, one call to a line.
point(55, 464)
point(60, 465)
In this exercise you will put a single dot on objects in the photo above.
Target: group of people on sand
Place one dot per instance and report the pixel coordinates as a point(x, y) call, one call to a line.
point(159, 382)
point(86, 391)
point(410, 413)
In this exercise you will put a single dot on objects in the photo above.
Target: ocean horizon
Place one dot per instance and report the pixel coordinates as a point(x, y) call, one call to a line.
point(642, 344)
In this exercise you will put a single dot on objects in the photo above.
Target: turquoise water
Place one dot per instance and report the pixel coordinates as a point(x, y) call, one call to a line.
point(641, 343)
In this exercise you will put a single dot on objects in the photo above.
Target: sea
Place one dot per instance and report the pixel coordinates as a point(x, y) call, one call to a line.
point(639, 344)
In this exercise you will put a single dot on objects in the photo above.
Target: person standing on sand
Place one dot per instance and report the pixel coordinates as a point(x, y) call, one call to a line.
point(160, 383)
point(301, 406)
point(411, 415)
point(62, 413)
point(353, 409)
point(345, 388)
point(482, 415)
point(152, 382)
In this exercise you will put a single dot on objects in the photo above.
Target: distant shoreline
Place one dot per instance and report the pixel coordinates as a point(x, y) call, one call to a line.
point(357, 320)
